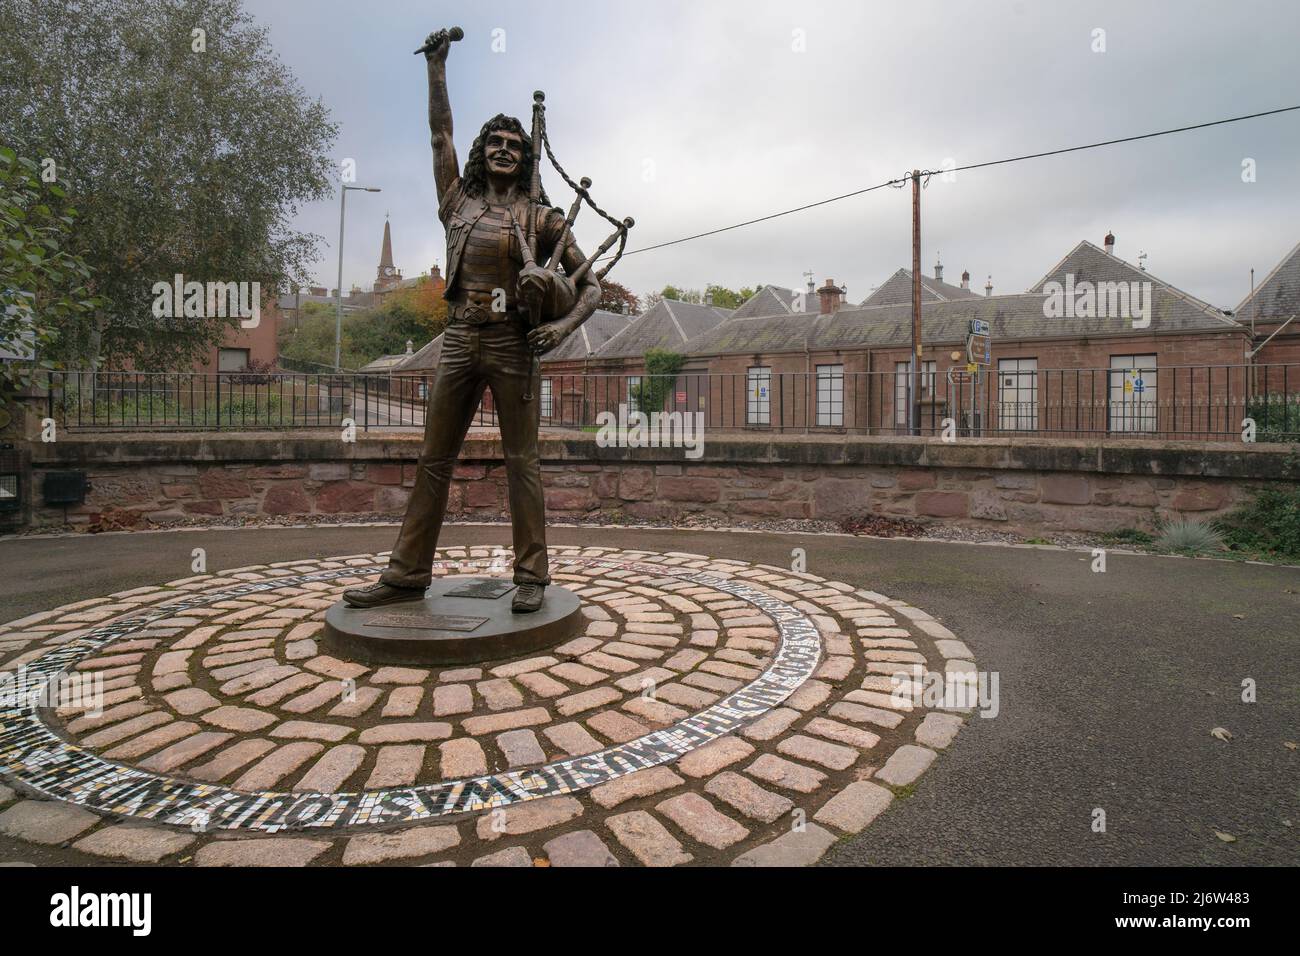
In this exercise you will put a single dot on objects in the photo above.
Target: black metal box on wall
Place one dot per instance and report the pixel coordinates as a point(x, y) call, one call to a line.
point(64, 488)
point(15, 485)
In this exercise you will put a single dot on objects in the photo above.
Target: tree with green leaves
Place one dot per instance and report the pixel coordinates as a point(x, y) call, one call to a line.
point(725, 298)
point(661, 370)
point(681, 295)
point(417, 313)
point(185, 143)
point(43, 286)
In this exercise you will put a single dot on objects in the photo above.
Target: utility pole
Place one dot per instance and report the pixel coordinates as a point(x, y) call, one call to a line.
point(338, 292)
point(914, 375)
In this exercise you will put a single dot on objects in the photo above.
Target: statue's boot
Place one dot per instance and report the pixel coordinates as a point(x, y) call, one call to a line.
point(379, 594)
point(528, 598)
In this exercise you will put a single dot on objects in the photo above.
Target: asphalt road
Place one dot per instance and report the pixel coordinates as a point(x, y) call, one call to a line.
point(1109, 684)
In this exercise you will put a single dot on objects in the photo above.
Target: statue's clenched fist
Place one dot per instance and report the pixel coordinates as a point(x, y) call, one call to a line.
point(437, 43)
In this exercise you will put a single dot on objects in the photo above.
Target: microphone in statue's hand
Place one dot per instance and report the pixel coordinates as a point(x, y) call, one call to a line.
point(454, 34)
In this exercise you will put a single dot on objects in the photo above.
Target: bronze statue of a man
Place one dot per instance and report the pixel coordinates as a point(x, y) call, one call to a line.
point(488, 341)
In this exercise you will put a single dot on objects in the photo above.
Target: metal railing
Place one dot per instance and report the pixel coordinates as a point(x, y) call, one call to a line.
point(1203, 402)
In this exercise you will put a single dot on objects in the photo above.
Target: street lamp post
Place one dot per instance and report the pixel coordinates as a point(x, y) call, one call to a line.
point(338, 292)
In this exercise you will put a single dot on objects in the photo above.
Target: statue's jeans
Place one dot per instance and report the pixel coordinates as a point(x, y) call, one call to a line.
point(492, 356)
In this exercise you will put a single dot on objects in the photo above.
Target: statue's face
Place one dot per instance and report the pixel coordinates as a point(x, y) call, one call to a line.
point(504, 152)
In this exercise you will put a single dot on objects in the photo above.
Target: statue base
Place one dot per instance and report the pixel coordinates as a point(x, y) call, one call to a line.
point(462, 620)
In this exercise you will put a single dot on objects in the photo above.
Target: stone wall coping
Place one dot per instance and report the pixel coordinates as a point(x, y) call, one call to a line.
point(1102, 456)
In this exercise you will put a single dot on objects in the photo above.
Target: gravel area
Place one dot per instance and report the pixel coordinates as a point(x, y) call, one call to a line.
point(872, 526)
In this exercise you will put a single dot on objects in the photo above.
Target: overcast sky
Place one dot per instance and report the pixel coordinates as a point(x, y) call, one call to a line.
point(693, 115)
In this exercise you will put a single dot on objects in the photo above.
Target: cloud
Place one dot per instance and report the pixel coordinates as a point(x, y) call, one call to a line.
point(734, 123)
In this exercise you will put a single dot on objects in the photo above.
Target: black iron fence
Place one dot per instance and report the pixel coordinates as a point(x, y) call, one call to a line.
point(1216, 403)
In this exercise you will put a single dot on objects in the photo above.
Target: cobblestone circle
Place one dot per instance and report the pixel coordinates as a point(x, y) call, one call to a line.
point(713, 712)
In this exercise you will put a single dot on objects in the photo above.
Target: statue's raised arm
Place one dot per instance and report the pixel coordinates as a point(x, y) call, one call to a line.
point(446, 168)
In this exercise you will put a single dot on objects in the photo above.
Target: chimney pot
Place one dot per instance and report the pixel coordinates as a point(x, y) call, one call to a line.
point(1110, 243)
point(965, 278)
point(831, 297)
point(988, 286)
point(938, 271)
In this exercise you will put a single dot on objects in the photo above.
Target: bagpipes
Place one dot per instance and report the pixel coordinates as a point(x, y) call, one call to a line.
point(567, 288)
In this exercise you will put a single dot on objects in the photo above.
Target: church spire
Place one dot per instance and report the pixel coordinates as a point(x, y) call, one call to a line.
point(386, 253)
point(386, 277)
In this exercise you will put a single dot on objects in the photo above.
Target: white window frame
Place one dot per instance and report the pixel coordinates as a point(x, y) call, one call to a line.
point(929, 374)
point(830, 396)
point(758, 395)
point(1132, 411)
point(546, 398)
point(1018, 394)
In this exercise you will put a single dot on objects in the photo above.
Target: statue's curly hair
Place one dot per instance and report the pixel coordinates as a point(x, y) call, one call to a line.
point(474, 178)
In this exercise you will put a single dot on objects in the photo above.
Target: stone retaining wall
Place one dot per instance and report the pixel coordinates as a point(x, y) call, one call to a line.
point(1020, 485)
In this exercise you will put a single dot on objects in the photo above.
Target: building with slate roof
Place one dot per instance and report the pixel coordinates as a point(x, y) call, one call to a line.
point(806, 360)
point(1272, 313)
point(897, 289)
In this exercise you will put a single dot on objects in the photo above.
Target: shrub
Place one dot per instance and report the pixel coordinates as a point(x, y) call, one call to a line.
point(1277, 417)
point(1187, 535)
point(1270, 523)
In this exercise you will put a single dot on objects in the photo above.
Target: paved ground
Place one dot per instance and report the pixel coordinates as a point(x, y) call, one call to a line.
point(1109, 684)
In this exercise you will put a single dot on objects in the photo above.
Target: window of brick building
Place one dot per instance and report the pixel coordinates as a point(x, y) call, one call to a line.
point(1018, 394)
point(633, 391)
point(928, 372)
point(1132, 393)
point(830, 395)
point(546, 398)
point(758, 383)
point(232, 360)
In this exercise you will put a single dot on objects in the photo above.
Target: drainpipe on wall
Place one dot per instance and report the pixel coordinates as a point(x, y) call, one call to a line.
point(807, 368)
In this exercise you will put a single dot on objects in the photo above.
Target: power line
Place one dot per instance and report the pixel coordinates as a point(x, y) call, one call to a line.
point(995, 162)
point(1128, 139)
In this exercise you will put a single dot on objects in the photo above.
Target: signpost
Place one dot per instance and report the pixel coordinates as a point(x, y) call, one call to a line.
point(979, 356)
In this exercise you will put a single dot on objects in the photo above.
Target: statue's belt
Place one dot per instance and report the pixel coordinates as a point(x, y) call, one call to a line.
point(479, 313)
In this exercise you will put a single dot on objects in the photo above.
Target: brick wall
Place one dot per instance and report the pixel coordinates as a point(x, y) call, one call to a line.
point(1025, 486)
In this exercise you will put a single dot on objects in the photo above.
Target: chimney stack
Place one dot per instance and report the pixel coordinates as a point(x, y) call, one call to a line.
point(988, 286)
point(1110, 243)
point(410, 347)
point(938, 270)
point(831, 296)
point(965, 278)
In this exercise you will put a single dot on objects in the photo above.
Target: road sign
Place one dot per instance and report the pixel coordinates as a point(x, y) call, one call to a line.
point(979, 343)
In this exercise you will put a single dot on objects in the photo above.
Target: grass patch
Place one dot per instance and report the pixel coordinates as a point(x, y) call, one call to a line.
point(1128, 536)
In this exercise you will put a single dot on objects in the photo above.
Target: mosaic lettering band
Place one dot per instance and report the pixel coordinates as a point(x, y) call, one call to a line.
point(38, 757)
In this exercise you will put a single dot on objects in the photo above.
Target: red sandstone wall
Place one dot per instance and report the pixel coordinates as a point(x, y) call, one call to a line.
point(1026, 501)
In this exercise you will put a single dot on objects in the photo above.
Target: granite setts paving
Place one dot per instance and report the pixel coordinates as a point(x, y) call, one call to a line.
point(712, 710)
